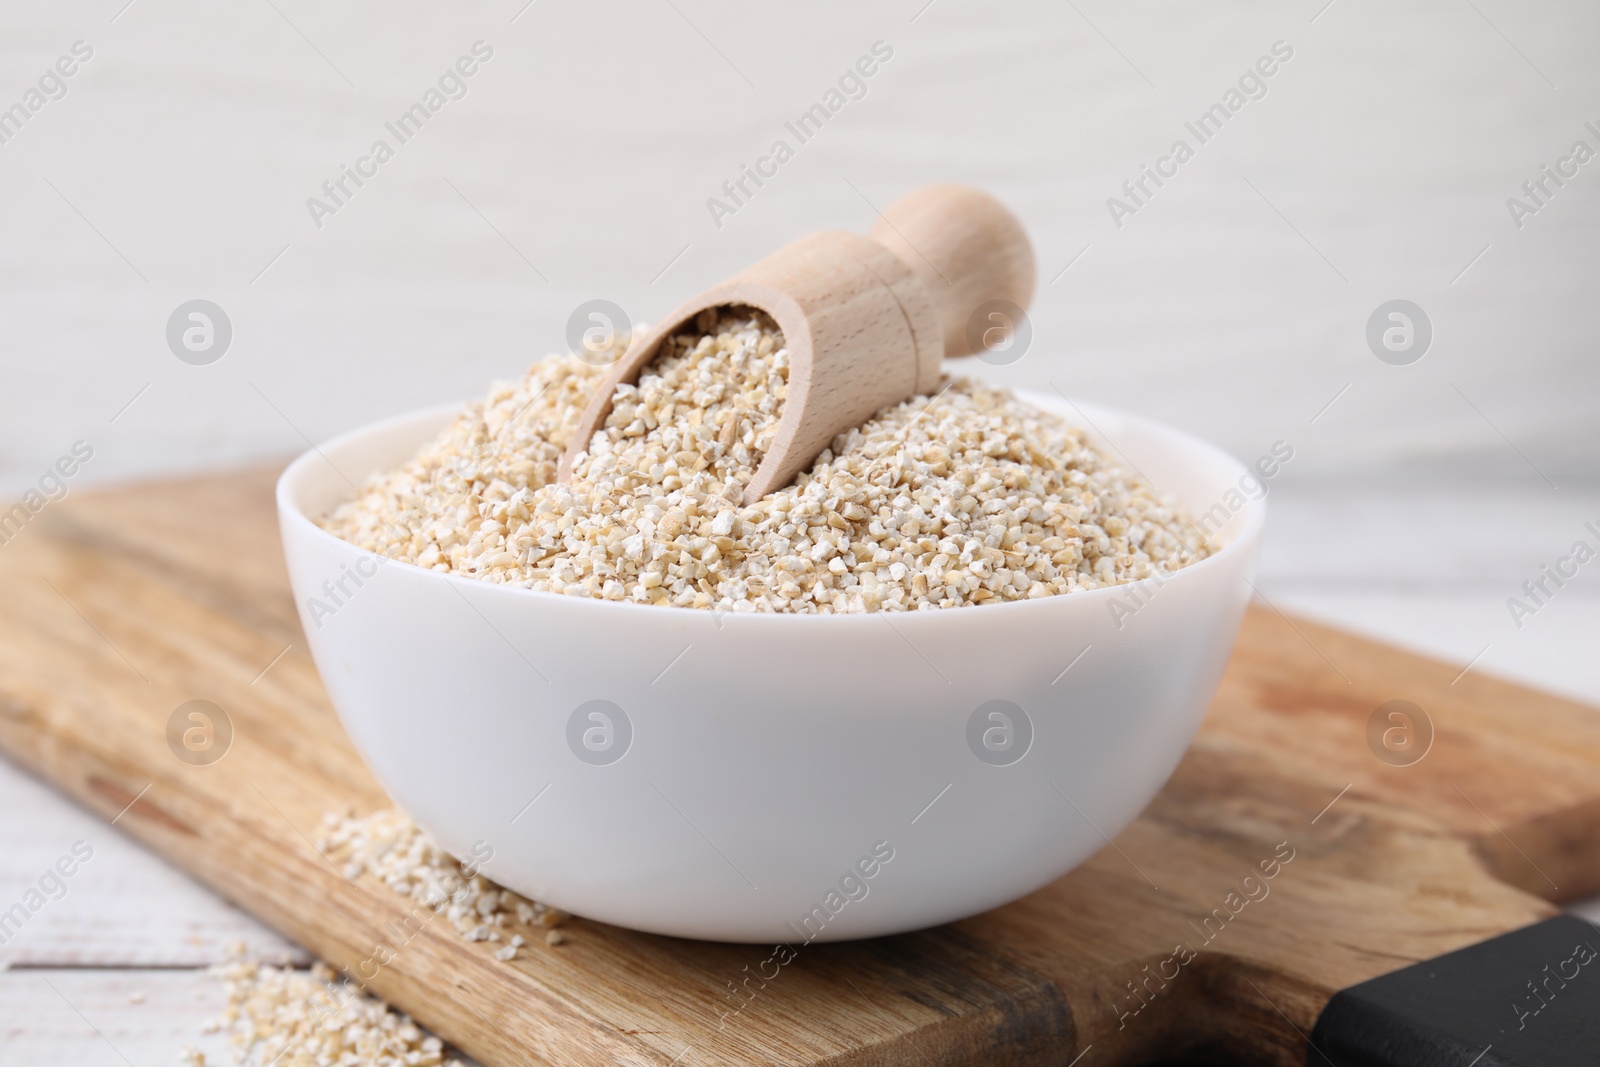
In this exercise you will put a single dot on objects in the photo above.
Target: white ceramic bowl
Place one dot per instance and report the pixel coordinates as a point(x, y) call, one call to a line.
point(781, 777)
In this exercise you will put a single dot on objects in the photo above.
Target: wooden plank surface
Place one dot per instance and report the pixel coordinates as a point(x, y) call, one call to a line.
point(119, 607)
point(105, 1018)
point(123, 909)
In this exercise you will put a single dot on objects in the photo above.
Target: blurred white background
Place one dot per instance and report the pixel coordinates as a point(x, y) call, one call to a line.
point(1234, 303)
point(578, 165)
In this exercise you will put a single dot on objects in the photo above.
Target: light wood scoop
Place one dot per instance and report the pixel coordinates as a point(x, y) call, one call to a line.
point(867, 320)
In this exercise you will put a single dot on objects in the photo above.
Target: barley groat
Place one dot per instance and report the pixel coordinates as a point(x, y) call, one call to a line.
point(965, 497)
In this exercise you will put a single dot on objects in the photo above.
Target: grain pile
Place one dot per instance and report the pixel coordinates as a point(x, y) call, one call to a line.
point(966, 497)
point(288, 1018)
point(390, 846)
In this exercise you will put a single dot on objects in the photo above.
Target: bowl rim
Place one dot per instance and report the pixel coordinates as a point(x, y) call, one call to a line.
point(1254, 513)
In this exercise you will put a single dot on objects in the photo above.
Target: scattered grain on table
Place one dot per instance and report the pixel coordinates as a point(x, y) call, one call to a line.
point(290, 1018)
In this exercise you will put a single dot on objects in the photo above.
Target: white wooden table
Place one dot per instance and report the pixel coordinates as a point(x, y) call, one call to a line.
point(112, 973)
point(1378, 167)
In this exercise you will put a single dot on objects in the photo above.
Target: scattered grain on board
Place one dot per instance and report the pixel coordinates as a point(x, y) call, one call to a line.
point(391, 847)
point(965, 497)
point(293, 1018)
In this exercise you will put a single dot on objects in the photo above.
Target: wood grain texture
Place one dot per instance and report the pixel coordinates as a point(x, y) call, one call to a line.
point(122, 909)
point(120, 607)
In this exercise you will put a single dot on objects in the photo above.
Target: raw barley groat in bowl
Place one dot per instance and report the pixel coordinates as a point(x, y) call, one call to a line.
point(745, 754)
point(968, 496)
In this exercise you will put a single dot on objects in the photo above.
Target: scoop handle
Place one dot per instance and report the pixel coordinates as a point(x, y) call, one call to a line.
point(965, 247)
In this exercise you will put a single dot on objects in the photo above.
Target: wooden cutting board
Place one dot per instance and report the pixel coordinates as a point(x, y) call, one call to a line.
point(116, 608)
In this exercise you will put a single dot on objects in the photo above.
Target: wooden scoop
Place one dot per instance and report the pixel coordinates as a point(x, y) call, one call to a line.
point(867, 320)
